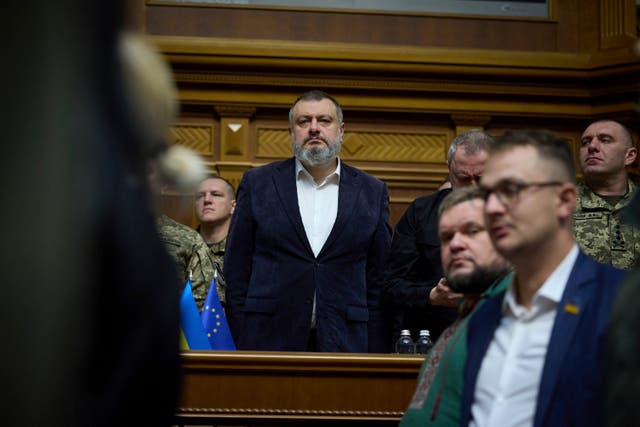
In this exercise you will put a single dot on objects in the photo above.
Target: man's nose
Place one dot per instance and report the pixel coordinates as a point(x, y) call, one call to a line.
point(592, 144)
point(493, 204)
point(313, 126)
point(457, 243)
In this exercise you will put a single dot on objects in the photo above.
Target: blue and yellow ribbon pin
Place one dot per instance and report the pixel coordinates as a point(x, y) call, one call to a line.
point(571, 308)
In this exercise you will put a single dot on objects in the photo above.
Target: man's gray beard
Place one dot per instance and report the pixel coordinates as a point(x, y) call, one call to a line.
point(317, 156)
point(478, 280)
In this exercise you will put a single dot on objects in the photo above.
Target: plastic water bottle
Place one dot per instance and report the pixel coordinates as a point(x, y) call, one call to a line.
point(424, 343)
point(405, 344)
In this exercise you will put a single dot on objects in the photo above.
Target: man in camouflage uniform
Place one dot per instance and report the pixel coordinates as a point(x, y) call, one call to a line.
point(215, 202)
point(183, 243)
point(600, 220)
point(190, 254)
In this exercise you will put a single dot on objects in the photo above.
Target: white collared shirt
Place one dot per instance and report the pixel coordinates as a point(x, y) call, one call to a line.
point(318, 205)
point(506, 391)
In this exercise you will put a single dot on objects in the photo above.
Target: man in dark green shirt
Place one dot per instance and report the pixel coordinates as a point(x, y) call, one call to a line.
point(473, 268)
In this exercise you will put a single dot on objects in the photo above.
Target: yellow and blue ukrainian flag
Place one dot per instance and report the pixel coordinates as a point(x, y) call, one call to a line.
point(192, 334)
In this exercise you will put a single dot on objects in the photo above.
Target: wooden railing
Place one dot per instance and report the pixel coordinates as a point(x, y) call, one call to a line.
point(272, 388)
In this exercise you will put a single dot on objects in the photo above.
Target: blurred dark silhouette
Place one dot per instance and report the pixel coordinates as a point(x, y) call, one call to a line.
point(89, 309)
point(621, 372)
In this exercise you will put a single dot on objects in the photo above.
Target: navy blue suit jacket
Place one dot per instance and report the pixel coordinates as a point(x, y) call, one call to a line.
point(570, 388)
point(272, 273)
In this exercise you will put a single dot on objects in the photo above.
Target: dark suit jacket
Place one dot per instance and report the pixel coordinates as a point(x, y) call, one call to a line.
point(570, 389)
point(414, 268)
point(272, 274)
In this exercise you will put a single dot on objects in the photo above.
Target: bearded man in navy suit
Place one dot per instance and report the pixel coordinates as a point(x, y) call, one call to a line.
point(307, 241)
point(534, 351)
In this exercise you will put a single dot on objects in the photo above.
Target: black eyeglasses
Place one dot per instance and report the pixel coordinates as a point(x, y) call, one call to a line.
point(508, 192)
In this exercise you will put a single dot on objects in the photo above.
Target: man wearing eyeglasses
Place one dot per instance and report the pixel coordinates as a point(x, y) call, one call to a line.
point(413, 279)
point(600, 226)
point(534, 350)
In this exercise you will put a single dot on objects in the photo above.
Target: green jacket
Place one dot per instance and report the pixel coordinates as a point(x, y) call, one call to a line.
point(439, 403)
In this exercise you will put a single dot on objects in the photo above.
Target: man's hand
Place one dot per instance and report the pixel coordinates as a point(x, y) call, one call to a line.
point(443, 295)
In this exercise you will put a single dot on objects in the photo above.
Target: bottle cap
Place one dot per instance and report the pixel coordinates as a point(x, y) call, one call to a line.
point(405, 332)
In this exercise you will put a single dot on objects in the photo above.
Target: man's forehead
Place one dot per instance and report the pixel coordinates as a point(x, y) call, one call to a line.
point(464, 159)
point(516, 163)
point(467, 212)
point(608, 128)
point(211, 184)
point(313, 107)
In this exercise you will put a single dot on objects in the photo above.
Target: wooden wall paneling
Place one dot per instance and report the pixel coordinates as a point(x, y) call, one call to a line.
point(617, 23)
point(217, 21)
point(198, 137)
point(553, 74)
point(178, 206)
point(465, 122)
point(427, 80)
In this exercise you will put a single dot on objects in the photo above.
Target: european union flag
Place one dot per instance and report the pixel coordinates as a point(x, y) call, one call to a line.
point(192, 334)
point(214, 320)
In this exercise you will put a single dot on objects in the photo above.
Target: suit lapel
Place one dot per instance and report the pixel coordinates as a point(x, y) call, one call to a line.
point(483, 325)
point(570, 311)
point(284, 181)
point(347, 195)
point(481, 328)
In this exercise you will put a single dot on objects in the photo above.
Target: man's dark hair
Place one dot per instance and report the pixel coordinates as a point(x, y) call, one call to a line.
point(549, 146)
point(316, 95)
point(458, 196)
point(230, 190)
point(628, 139)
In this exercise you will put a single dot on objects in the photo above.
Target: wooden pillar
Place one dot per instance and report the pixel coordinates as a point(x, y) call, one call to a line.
point(234, 141)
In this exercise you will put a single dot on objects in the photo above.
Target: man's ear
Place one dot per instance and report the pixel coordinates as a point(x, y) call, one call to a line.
point(233, 207)
point(567, 198)
point(630, 156)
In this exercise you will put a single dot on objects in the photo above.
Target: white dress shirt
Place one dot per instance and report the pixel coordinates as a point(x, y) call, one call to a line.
point(318, 204)
point(506, 391)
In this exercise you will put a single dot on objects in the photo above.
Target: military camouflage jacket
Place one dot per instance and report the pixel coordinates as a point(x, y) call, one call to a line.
point(190, 252)
point(217, 254)
point(603, 231)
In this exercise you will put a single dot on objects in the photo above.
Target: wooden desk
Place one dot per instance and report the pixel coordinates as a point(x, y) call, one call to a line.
point(295, 388)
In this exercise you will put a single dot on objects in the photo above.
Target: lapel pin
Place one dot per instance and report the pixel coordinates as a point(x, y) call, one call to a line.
point(571, 308)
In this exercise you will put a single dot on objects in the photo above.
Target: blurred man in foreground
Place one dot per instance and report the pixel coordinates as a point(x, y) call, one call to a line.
point(535, 349)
